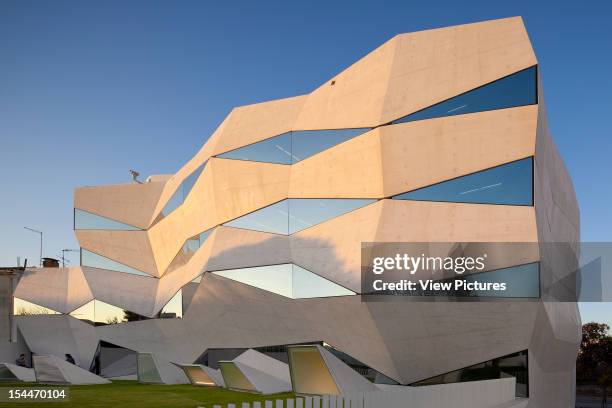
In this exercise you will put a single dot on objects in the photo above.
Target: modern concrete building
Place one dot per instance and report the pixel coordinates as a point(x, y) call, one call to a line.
point(435, 136)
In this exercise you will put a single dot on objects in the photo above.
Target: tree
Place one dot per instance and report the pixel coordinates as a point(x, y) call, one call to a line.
point(594, 364)
point(592, 333)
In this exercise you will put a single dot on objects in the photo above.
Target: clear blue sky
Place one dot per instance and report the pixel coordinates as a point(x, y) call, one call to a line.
point(89, 90)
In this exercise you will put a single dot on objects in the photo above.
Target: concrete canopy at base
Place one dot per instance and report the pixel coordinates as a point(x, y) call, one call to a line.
point(52, 369)
point(12, 372)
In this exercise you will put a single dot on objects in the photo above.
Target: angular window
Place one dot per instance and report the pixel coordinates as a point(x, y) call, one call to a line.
point(287, 280)
point(182, 191)
point(509, 184)
point(365, 370)
point(234, 378)
point(99, 313)
point(174, 307)
point(94, 260)
point(274, 150)
point(521, 281)
point(292, 147)
point(295, 214)
point(147, 369)
point(188, 250)
point(512, 365)
point(306, 143)
point(306, 212)
point(273, 218)
point(24, 308)
point(518, 89)
point(84, 220)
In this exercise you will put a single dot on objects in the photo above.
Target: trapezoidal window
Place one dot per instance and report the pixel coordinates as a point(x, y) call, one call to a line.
point(100, 313)
point(509, 184)
point(24, 308)
point(521, 281)
point(287, 280)
point(93, 260)
point(512, 365)
point(84, 220)
point(292, 147)
point(295, 214)
point(518, 89)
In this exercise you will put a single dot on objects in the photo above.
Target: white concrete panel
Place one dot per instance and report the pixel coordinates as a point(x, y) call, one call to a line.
point(51, 368)
point(59, 335)
point(21, 373)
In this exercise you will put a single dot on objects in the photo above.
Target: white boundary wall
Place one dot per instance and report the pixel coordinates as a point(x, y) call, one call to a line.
point(473, 394)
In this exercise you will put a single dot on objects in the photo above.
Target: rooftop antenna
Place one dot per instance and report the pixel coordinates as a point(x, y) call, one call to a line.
point(135, 175)
point(63, 257)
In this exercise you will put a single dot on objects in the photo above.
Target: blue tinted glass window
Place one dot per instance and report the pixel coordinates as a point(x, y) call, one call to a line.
point(182, 191)
point(273, 150)
point(521, 281)
point(84, 220)
point(287, 280)
point(518, 89)
point(510, 184)
point(307, 143)
point(273, 218)
point(295, 214)
point(306, 212)
point(94, 260)
point(291, 147)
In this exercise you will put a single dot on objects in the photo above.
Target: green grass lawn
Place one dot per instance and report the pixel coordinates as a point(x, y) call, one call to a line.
point(121, 394)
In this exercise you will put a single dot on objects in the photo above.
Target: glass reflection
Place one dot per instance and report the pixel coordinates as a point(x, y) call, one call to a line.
point(93, 260)
point(24, 308)
point(295, 214)
point(174, 307)
point(147, 370)
point(287, 280)
point(182, 191)
point(306, 143)
point(509, 184)
point(292, 147)
point(518, 89)
point(84, 220)
point(306, 212)
point(522, 281)
point(274, 150)
point(99, 313)
point(273, 218)
point(188, 249)
point(513, 365)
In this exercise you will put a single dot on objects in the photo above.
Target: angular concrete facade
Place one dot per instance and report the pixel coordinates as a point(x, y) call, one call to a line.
point(333, 163)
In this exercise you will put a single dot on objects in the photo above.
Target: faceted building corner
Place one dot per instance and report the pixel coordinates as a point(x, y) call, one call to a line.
point(255, 243)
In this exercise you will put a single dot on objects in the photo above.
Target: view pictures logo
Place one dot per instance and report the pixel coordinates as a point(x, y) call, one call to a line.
point(414, 264)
